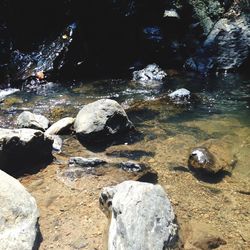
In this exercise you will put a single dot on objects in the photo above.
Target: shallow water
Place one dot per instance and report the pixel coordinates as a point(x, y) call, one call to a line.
point(222, 112)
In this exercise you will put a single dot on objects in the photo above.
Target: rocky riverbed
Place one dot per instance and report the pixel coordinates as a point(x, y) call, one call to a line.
point(211, 210)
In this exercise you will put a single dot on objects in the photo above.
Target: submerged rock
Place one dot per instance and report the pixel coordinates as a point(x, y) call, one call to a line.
point(101, 120)
point(212, 157)
point(85, 162)
point(29, 120)
point(60, 127)
point(18, 216)
point(21, 147)
point(141, 216)
point(201, 159)
point(130, 166)
point(151, 73)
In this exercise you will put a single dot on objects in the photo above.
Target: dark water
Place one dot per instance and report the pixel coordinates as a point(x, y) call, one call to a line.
point(222, 109)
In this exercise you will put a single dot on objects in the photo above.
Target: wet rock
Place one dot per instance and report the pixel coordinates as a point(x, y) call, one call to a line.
point(29, 120)
point(212, 157)
point(180, 96)
point(130, 166)
point(21, 147)
point(101, 120)
point(48, 57)
point(141, 216)
point(85, 162)
point(61, 127)
point(18, 215)
point(201, 159)
point(151, 73)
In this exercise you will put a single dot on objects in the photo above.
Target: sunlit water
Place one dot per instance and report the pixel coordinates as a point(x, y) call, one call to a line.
point(222, 112)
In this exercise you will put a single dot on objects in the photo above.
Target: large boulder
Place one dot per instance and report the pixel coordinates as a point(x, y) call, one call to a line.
point(18, 216)
point(101, 120)
point(141, 216)
point(29, 120)
point(19, 147)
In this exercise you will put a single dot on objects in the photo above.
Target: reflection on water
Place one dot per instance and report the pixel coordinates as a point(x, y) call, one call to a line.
point(222, 111)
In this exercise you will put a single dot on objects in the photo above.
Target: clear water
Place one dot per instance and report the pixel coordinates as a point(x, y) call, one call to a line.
point(223, 110)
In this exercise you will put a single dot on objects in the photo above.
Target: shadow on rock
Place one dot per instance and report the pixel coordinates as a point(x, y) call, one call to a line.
point(39, 238)
point(100, 144)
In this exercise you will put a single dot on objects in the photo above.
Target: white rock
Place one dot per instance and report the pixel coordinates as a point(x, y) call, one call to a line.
point(151, 73)
point(141, 217)
point(18, 215)
point(60, 126)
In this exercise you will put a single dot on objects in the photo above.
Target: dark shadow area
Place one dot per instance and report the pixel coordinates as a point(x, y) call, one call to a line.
point(19, 169)
point(208, 177)
point(100, 143)
point(39, 238)
point(150, 177)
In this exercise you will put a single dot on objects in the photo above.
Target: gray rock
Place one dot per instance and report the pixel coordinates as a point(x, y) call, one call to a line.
point(141, 217)
point(151, 73)
point(101, 120)
point(18, 215)
point(29, 120)
point(226, 46)
point(61, 127)
point(180, 96)
point(85, 162)
point(130, 166)
point(21, 146)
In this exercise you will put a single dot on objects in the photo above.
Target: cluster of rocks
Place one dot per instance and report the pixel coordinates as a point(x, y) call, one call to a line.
point(34, 139)
point(155, 226)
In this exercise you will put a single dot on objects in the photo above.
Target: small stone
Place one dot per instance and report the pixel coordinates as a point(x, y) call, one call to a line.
point(85, 162)
point(130, 166)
